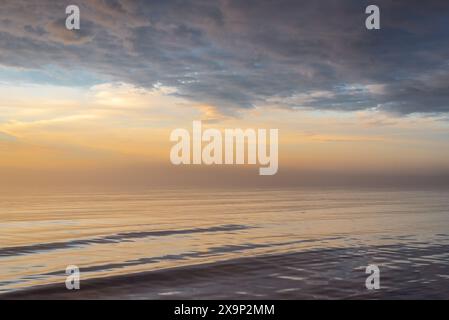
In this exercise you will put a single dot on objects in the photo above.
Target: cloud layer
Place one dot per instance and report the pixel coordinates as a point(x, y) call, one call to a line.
point(239, 54)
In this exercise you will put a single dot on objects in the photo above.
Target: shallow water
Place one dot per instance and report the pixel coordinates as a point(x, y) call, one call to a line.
point(108, 234)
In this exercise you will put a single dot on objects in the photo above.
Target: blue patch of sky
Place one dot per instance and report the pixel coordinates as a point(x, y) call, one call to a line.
point(50, 75)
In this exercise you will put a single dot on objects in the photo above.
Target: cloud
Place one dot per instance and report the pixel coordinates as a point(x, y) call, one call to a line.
point(345, 139)
point(241, 54)
point(7, 137)
point(57, 32)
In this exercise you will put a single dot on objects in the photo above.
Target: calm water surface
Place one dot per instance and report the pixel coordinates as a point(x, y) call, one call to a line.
point(108, 234)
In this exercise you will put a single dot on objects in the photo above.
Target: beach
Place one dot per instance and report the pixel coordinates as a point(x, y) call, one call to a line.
point(407, 273)
point(300, 245)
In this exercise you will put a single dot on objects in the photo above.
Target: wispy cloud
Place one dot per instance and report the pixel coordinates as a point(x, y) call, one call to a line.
point(7, 137)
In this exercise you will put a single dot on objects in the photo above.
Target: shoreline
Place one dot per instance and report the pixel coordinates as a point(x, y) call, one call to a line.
point(316, 274)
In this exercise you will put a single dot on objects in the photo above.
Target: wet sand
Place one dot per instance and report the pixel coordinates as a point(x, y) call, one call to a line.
point(415, 271)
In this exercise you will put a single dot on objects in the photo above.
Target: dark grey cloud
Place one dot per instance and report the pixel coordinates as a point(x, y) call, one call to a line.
point(237, 54)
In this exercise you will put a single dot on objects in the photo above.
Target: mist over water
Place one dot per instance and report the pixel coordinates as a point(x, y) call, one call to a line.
point(109, 234)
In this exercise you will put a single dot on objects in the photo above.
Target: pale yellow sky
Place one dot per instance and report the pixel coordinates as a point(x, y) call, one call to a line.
point(56, 129)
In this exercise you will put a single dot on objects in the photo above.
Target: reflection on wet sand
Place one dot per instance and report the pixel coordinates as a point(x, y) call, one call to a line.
point(283, 243)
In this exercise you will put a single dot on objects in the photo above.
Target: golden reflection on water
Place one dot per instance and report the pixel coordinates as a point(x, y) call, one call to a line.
point(117, 233)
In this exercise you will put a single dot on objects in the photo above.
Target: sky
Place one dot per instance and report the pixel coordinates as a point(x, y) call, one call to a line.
point(96, 106)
